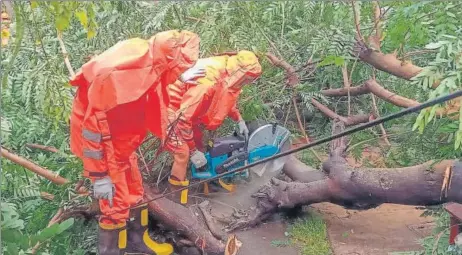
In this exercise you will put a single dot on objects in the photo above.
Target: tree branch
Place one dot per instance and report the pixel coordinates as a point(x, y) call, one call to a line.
point(452, 106)
point(382, 129)
point(65, 55)
point(389, 96)
point(349, 121)
point(357, 18)
point(389, 63)
point(42, 147)
point(346, 85)
point(292, 77)
point(354, 91)
point(51, 176)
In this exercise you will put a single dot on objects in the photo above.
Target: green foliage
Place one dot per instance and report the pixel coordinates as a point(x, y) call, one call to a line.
point(311, 234)
point(445, 72)
point(437, 244)
point(37, 98)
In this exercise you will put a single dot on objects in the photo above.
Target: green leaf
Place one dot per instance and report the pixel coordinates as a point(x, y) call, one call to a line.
point(11, 235)
point(82, 17)
point(418, 120)
point(63, 226)
point(339, 61)
point(91, 33)
point(62, 23)
point(432, 46)
point(33, 4)
point(432, 113)
point(48, 232)
point(12, 249)
point(329, 60)
point(458, 140)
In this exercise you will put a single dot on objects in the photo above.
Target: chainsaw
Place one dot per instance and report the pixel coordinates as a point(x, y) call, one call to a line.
point(230, 152)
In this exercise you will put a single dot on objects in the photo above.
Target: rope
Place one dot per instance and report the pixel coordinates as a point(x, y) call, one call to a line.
point(358, 128)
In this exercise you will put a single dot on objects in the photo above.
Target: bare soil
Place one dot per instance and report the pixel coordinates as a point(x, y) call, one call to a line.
point(387, 228)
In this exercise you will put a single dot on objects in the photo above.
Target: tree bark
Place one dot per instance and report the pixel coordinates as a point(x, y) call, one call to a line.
point(349, 121)
point(389, 63)
point(42, 147)
point(389, 96)
point(292, 77)
point(452, 107)
point(296, 170)
point(354, 91)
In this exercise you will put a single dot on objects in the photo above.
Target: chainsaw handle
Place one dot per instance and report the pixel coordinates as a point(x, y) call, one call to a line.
point(246, 139)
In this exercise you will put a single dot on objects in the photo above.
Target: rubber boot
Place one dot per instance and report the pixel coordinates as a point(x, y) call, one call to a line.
point(179, 196)
point(139, 241)
point(112, 239)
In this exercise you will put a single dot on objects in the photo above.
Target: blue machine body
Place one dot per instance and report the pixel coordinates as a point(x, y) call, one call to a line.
point(224, 150)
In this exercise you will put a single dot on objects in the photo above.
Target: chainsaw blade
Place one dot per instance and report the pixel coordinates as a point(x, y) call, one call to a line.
point(266, 141)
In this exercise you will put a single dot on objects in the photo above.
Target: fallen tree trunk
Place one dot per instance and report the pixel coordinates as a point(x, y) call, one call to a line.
point(356, 188)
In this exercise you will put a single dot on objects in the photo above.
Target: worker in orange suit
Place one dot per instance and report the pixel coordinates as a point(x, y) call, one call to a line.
point(121, 95)
point(205, 104)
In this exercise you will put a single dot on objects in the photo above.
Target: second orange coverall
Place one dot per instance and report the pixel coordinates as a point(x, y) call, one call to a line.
point(206, 104)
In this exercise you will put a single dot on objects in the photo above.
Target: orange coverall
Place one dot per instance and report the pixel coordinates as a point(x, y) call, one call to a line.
point(206, 104)
point(121, 95)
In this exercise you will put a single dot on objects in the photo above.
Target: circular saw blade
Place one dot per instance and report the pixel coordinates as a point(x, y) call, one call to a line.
point(273, 135)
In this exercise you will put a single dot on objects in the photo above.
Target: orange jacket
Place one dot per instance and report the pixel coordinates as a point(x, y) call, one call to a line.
point(214, 97)
point(118, 98)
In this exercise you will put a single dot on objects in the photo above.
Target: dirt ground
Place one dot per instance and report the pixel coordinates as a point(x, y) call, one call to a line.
point(379, 231)
point(387, 228)
point(259, 240)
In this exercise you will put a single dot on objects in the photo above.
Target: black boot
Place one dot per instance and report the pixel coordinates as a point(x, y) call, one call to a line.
point(139, 241)
point(112, 239)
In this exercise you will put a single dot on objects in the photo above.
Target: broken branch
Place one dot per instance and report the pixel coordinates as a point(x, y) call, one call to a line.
point(354, 91)
point(292, 77)
point(65, 54)
point(51, 176)
point(348, 121)
point(42, 147)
